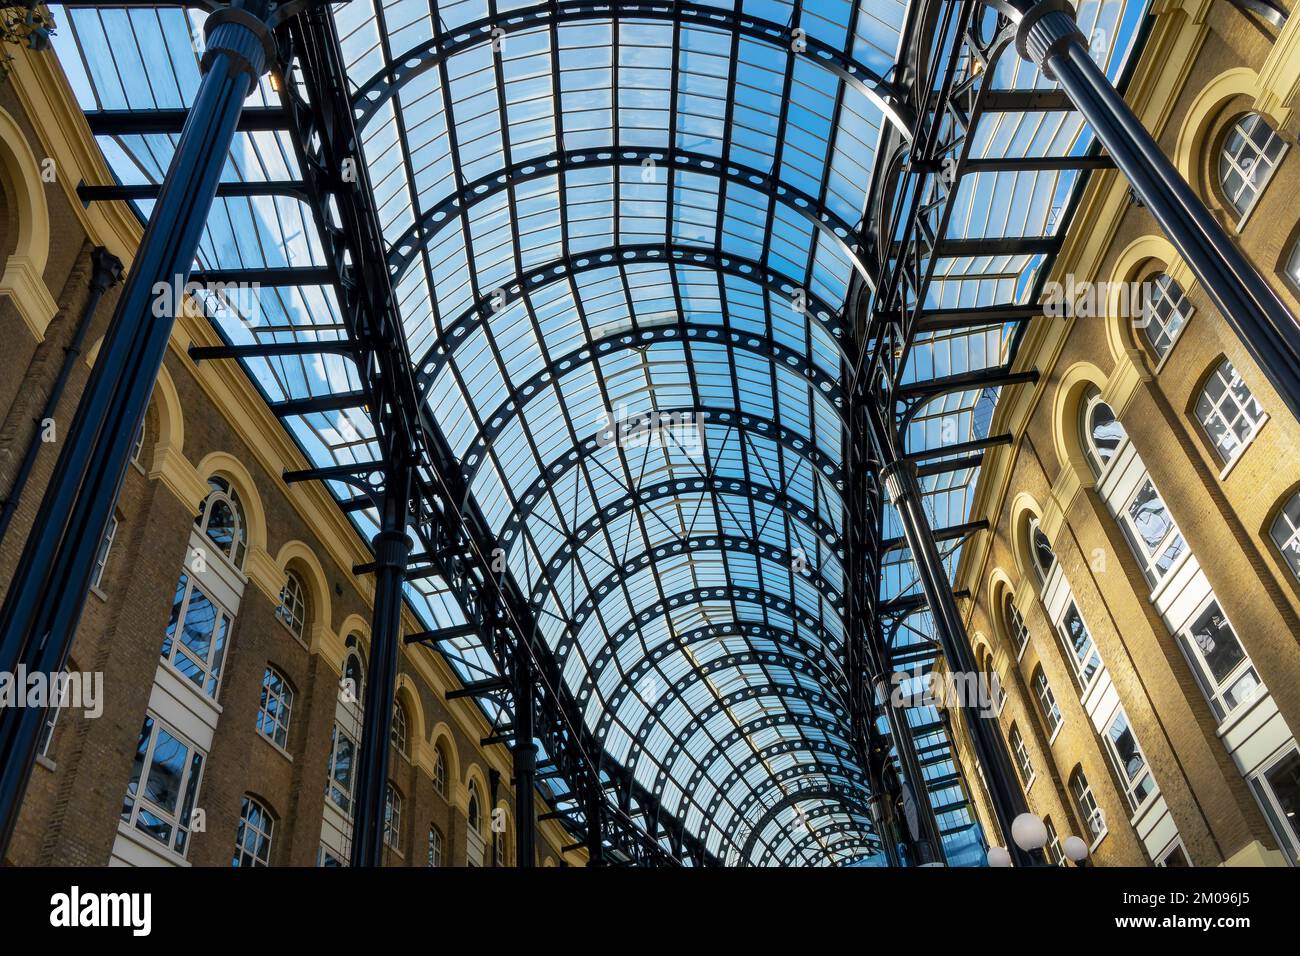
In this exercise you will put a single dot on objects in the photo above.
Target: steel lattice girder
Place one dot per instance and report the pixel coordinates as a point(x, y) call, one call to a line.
point(407, 247)
point(387, 83)
point(518, 287)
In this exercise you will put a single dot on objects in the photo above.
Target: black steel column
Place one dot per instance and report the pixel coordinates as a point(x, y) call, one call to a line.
point(49, 587)
point(899, 478)
point(392, 549)
point(1048, 35)
point(524, 752)
point(925, 840)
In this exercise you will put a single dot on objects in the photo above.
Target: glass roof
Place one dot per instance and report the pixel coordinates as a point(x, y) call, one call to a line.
point(623, 236)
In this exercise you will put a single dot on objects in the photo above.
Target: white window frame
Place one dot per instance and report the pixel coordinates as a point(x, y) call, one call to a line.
point(439, 772)
point(211, 669)
point(101, 556)
point(1130, 781)
point(435, 847)
point(1148, 558)
point(1214, 689)
point(1245, 125)
point(1098, 461)
point(1080, 661)
point(1035, 530)
point(223, 491)
point(392, 818)
point(1085, 802)
point(1288, 837)
point(273, 725)
point(1043, 692)
point(262, 835)
point(1161, 293)
point(134, 804)
point(292, 610)
point(339, 792)
point(1284, 524)
point(1055, 852)
point(1176, 846)
point(1021, 753)
point(1017, 630)
point(1227, 410)
point(397, 733)
point(52, 718)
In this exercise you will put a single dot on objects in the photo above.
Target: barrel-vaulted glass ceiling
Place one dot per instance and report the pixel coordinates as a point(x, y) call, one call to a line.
point(623, 235)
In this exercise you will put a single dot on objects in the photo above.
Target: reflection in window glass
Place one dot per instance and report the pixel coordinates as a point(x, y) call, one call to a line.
point(1083, 653)
point(195, 643)
point(342, 754)
point(1278, 788)
point(1129, 761)
point(1228, 411)
point(1250, 156)
point(1103, 434)
point(1165, 310)
point(1152, 532)
point(1222, 667)
point(1285, 532)
point(161, 793)
point(253, 839)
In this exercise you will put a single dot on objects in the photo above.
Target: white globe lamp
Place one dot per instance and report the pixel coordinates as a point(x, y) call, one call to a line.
point(998, 856)
point(1029, 832)
point(1075, 849)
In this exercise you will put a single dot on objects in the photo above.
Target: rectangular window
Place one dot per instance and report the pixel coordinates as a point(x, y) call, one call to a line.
point(1225, 673)
point(164, 784)
point(343, 752)
point(196, 636)
point(1054, 851)
point(1130, 762)
point(1151, 532)
point(101, 557)
point(1078, 641)
point(1277, 787)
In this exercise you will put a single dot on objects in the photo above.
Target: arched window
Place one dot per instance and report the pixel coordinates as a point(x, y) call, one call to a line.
point(1102, 433)
point(393, 817)
point(440, 770)
point(1251, 153)
point(1165, 310)
point(1285, 532)
point(1086, 804)
point(221, 519)
point(1017, 632)
point(353, 680)
point(1054, 851)
point(1021, 753)
point(292, 611)
point(472, 811)
point(501, 850)
point(253, 839)
point(1047, 706)
point(276, 708)
point(1040, 550)
point(398, 733)
point(435, 847)
point(1228, 411)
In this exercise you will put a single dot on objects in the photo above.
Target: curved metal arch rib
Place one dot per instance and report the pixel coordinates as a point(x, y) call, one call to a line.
point(729, 593)
point(848, 831)
point(792, 646)
point(703, 544)
point(837, 230)
point(754, 725)
point(725, 662)
point(386, 83)
point(685, 332)
point(813, 699)
point(829, 792)
point(674, 254)
point(844, 768)
point(741, 422)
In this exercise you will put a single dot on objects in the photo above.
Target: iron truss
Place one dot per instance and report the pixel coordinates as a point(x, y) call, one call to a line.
point(582, 296)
